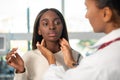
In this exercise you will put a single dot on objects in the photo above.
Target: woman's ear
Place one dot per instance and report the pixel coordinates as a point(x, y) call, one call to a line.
point(39, 32)
point(107, 14)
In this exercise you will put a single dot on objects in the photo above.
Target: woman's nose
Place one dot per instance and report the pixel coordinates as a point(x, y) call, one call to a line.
point(52, 27)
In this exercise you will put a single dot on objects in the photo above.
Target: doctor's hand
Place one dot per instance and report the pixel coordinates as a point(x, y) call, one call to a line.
point(13, 59)
point(67, 53)
point(46, 53)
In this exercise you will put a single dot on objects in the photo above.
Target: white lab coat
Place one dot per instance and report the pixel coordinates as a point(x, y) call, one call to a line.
point(104, 64)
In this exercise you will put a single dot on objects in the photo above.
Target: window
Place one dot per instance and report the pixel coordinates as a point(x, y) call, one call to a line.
point(75, 16)
point(2, 43)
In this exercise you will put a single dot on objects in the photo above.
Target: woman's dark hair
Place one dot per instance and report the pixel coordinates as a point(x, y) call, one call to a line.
point(112, 4)
point(36, 37)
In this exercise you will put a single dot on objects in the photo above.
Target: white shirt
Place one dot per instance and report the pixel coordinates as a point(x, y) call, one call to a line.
point(36, 64)
point(104, 64)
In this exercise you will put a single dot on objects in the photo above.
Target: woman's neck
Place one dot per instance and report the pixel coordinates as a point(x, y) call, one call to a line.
point(110, 28)
point(53, 46)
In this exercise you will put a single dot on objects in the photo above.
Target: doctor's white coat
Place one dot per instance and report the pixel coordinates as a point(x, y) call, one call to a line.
point(104, 64)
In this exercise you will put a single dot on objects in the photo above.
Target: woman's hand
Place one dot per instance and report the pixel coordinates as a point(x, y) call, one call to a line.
point(46, 53)
point(13, 59)
point(67, 52)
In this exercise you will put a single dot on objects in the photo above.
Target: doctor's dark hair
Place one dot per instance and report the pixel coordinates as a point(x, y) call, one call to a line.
point(114, 5)
point(36, 37)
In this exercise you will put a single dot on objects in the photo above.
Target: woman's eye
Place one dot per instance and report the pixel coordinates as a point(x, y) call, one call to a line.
point(45, 24)
point(57, 22)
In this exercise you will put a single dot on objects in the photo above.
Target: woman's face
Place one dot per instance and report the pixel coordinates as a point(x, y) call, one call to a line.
point(50, 26)
point(95, 16)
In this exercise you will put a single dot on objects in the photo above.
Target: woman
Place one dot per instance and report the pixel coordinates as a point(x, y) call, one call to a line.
point(104, 63)
point(50, 26)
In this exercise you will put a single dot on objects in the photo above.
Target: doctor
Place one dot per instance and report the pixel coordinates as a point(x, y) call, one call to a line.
point(104, 63)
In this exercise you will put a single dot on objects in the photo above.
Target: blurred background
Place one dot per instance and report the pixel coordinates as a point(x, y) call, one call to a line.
point(16, 27)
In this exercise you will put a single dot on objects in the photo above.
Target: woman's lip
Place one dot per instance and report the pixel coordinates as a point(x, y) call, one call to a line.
point(52, 34)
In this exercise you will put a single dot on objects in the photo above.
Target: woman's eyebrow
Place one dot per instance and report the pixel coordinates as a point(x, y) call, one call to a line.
point(45, 19)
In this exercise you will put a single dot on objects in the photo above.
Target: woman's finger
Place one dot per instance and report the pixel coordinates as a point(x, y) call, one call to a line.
point(43, 42)
point(11, 53)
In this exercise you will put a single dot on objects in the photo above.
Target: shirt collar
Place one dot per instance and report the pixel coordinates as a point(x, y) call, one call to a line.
point(112, 35)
